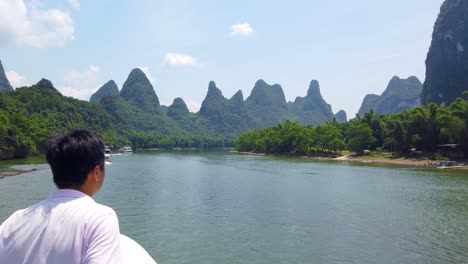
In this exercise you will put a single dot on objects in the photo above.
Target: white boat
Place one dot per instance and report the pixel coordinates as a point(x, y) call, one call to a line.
point(132, 252)
point(447, 164)
point(107, 155)
point(126, 149)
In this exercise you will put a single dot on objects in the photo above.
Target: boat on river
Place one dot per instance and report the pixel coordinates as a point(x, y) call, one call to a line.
point(447, 164)
point(107, 155)
point(126, 149)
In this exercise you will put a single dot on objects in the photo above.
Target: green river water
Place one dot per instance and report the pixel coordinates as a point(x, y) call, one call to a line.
point(220, 207)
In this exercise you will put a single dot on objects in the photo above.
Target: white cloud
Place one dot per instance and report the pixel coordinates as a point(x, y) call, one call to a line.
point(31, 25)
point(193, 106)
point(16, 80)
point(81, 85)
point(241, 30)
point(74, 3)
point(147, 72)
point(174, 59)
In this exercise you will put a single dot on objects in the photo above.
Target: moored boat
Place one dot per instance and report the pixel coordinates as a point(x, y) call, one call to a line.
point(446, 164)
point(126, 149)
point(107, 155)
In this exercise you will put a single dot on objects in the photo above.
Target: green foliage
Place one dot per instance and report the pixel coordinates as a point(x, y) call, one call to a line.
point(422, 128)
point(460, 111)
point(219, 115)
point(291, 138)
point(328, 137)
point(359, 137)
point(267, 105)
point(108, 89)
point(138, 90)
point(178, 110)
point(30, 115)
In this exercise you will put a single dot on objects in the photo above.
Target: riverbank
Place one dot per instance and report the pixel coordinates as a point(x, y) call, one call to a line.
point(10, 173)
point(364, 159)
point(181, 149)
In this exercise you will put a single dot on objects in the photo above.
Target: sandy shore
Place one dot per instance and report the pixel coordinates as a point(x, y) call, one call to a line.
point(4, 174)
point(403, 161)
point(399, 161)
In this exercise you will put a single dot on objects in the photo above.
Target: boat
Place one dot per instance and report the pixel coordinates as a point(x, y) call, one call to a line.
point(107, 155)
point(126, 149)
point(132, 252)
point(446, 164)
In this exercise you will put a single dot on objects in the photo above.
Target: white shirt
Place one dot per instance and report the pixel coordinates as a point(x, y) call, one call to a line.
point(68, 227)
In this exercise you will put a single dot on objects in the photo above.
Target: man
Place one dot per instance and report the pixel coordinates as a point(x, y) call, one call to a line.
point(69, 226)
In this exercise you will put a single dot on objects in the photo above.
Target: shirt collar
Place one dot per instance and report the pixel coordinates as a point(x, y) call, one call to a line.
point(68, 193)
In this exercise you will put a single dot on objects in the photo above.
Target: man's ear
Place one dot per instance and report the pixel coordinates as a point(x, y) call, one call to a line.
point(95, 173)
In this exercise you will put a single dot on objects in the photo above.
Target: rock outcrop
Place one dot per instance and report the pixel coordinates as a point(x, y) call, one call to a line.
point(312, 109)
point(5, 85)
point(341, 116)
point(138, 91)
point(236, 113)
point(447, 59)
point(108, 89)
point(400, 95)
point(213, 105)
point(267, 105)
point(227, 116)
point(178, 109)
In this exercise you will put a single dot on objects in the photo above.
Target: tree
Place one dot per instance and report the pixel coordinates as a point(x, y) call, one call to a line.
point(460, 110)
point(328, 137)
point(359, 137)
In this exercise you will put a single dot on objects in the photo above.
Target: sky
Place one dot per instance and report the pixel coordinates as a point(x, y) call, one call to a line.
point(352, 48)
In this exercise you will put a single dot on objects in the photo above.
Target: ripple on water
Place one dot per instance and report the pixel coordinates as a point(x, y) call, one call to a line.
point(226, 208)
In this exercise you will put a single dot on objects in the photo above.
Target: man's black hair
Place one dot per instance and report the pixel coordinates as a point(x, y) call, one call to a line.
point(73, 156)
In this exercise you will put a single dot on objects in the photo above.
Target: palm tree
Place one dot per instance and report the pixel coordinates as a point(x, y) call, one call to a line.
point(460, 110)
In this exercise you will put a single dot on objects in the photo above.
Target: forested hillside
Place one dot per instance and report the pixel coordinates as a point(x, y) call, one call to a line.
point(30, 115)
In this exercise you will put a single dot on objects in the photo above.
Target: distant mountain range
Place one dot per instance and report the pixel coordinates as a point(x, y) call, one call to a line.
point(400, 95)
point(446, 79)
point(266, 106)
point(136, 106)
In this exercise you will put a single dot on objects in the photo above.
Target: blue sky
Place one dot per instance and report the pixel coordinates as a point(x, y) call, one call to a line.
point(351, 47)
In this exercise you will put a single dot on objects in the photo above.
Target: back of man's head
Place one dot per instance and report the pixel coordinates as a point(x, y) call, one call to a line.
point(73, 156)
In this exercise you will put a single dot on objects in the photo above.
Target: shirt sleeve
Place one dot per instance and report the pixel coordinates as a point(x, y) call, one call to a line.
point(104, 242)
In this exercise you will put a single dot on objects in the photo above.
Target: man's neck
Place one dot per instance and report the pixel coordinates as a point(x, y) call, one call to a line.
point(84, 190)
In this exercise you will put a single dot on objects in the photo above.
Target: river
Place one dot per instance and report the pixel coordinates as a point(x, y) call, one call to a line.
point(220, 207)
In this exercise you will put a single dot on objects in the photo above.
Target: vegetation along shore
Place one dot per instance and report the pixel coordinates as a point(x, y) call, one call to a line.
point(420, 136)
